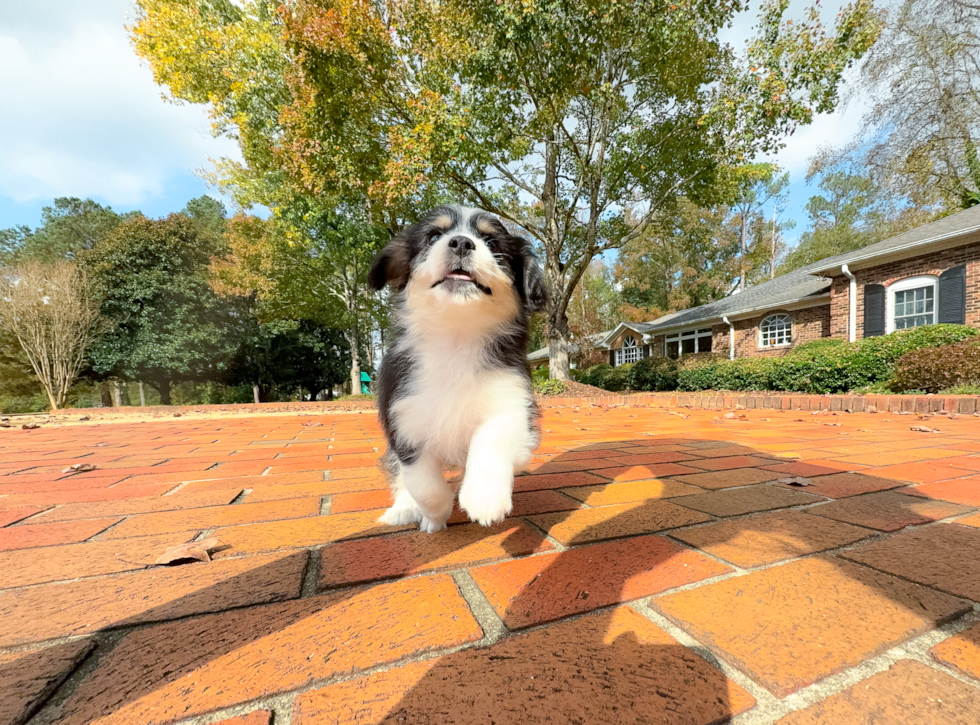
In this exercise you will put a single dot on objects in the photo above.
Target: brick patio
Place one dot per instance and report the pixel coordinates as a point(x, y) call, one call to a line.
point(655, 570)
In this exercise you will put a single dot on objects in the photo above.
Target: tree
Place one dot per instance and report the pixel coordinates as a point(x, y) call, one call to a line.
point(594, 307)
point(924, 119)
point(562, 116)
point(169, 324)
point(686, 258)
point(52, 311)
point(67, 228)
point(754, 187)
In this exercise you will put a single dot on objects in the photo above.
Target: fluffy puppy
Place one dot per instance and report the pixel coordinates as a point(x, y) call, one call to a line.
point(454, 388)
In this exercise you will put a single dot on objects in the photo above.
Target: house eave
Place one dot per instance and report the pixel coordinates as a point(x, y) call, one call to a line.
point(912, 249)
point(800, 303)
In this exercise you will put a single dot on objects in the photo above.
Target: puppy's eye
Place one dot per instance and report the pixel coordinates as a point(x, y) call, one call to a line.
point(491, 243)
point(433, 236)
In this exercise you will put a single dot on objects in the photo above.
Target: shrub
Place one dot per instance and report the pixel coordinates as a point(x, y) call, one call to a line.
point(549, 387)
point(822, 366)
point(617, 378)
point(933, 369)
point(596, 375)
point(540, 374)
point(653, 373)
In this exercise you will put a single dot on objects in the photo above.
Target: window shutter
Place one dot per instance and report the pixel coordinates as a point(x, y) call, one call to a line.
point(952, 296)
point(612, 358)
point(874, 310)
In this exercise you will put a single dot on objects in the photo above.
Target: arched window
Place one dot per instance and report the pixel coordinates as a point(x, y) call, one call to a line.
point(911, 303)
point(776, 331)
point(630, 352)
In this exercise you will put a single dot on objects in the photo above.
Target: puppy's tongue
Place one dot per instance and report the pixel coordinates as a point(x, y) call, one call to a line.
point(460, 275)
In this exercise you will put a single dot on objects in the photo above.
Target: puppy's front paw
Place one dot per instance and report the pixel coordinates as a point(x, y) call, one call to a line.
point(431, 526)
point(485, 505)
point(401, 514)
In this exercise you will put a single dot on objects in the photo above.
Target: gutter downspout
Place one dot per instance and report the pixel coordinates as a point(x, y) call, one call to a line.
point(731, 338)
point(851, 304)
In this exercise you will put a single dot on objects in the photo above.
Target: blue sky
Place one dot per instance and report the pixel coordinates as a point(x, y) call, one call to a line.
point(84, 118)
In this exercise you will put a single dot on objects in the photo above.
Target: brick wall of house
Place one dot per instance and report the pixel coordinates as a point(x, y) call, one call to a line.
point(934, 263)
point(811, 323)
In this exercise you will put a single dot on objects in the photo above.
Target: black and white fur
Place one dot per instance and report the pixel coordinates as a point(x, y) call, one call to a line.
point(454, 388)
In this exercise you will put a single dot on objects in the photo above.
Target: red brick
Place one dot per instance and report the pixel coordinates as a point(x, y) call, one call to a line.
point(541, 589)
point(728, 479)
point(628, 491)
point(28, 678)
point(214, 482)
point(350, 562)
point(942, 556)
point(71, 561)
point(10, 516)
point(726, 463)
point(183, 669)
point(81, 496)
point(887, 511)
point(637, 473)
point(610, 522)
point(738, 501)
point(127, 507)
point(213, 517)
point(360, 501)
point(965, 491)
point(800, 469)
point(908, 693)
point(841, 485)
point(303, 490)
point(34, 614)
point(961, 652)
point(768, 538)
point(29, 536)
point(636, 672)
point(789, 626)
point(554, 480)
point(299, 533)
point(584, 464)
point(256, 717)
point(921, 472)
point(648, 458)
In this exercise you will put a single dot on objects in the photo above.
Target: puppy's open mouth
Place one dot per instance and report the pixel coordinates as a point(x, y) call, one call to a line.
point(462, 276)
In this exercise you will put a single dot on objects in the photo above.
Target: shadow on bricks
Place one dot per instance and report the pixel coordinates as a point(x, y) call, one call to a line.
point(570, 628)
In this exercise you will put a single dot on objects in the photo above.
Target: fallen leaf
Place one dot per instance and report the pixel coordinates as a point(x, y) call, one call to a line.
point(196, 550)
point(921, 429)
point(84, 417)
point(177, 415)
point(728, 415)
point(837, 424)
point(100, 444)
point(79, 468)
point(30, 426)
point(796, 481)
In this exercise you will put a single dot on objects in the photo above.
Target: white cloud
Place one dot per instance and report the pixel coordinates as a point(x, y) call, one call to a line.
point(82, 115)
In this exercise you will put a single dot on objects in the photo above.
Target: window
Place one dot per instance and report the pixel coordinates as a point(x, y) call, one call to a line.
point(776, 331)
point(687, 343)
point(911, 303)
point(630, 352)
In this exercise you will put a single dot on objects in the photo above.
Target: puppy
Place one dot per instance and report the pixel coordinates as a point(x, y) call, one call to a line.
point(454, 388)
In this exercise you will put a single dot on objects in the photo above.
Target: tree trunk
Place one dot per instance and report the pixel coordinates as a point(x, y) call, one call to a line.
point(742, 232)
point(165, 391)
point(51, 399)
point(142, 395)
point(256, 393)
point(330, 393)
point(116, 394)
point(105, 395)
point(355, 363)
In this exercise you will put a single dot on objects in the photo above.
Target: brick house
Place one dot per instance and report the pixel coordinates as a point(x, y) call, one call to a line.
point(927, 275)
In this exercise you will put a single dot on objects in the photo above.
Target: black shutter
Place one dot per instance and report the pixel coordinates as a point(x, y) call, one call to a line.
point(952, 296)
point(874, 310)
point(612, 358)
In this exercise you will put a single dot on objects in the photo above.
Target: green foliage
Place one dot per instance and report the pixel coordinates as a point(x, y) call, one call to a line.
point(653, 373)
point(596, 375)
point(549, 387)
point(934, 369)
point(68, 228)
point(540, 374)
point(169, 324)
point(821, 367)
point(617, 378)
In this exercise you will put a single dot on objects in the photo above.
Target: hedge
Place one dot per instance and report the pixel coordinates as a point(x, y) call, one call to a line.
point(933, 369)
point(818, 367)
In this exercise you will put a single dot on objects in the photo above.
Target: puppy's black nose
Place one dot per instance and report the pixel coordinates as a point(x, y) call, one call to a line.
point(462, 244)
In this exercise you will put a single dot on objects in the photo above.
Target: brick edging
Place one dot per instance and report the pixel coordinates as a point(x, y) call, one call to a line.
point(962, 404)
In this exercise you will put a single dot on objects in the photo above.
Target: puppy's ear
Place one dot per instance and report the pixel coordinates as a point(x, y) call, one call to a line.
point(392, 265)
point(534, 292)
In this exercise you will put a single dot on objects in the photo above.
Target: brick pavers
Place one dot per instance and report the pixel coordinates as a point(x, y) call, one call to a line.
point(653, 569)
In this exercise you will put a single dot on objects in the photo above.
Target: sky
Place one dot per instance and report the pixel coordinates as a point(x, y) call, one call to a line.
point(82, 116)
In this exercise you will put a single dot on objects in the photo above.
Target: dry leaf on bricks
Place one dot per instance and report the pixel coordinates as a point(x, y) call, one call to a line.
point(196, 550)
